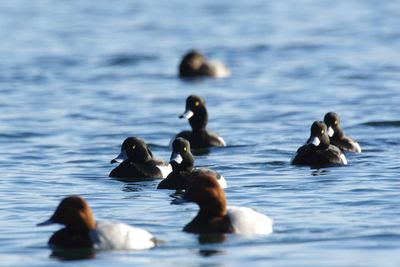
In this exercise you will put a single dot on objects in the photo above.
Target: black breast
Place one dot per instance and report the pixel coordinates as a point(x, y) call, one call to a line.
point(64, 238)
point(201, 225)
point(128, 169)
point(310, 155)
point(175, 180)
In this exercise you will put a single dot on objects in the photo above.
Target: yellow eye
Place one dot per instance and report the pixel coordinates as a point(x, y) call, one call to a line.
point(133, 147)
point(184, 149)
point(322, 132)
point(336, 122)
point(197, 103)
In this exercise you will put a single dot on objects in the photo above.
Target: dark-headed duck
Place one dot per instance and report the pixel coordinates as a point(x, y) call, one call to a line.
point(194, 64)
point(136, 161)
point(215, 217)
point(337, 136)
point(317, 151)
point(182, 163)
point(82, 231)
point(199, 137)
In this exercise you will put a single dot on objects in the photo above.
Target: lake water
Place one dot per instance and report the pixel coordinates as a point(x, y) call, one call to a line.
point(78, 77)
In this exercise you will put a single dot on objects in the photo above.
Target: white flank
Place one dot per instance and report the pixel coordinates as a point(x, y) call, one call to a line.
point(165, 169)
point(221, 71)
point(222, 140)
point(249, 222)
point(108, 236)
point(358, 147)
point(342, 156)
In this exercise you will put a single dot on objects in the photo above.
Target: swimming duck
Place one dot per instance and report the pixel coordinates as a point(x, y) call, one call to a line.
point(136, 161)
point(317, 151)
point(194, 64)
point(196, 113)
point(337, 136)
point(215, 217)
point(82, 231)
point(182, 163)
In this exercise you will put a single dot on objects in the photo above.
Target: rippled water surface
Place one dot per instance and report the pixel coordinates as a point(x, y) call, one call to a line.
point(77, 77)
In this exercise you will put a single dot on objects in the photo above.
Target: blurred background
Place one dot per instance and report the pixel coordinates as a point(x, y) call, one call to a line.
point(78, 77)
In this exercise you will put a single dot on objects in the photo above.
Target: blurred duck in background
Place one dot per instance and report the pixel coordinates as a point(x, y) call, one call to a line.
point(194, 64)
point(337, 136)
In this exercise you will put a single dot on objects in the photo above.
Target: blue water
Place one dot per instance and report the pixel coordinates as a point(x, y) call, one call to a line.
point(77, 77)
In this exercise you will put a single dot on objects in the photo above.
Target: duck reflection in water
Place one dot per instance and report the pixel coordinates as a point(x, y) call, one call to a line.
point(211, 239)
point(73, 254)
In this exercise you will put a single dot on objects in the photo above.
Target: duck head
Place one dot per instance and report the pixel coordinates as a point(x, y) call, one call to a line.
point(205, 191)
point(74, 213)
point(319, 137)
point(332, 122)
point(181, 157)
point(196, 112)
point(134, 149)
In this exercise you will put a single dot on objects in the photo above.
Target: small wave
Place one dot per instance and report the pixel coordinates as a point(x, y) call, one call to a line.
point(277, 163)
point(382, 123)
point(136, 184)
point(49, 61)
point(259, 48)
point(357, 76)
point(129, 59)
point(303, 46)
point(21, 135)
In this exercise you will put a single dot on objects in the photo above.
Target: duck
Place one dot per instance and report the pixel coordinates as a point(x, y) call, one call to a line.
point(215, 217)
point(182, 162)
point(136, 161)
point(337, 136)
point(318, 151)
point(199, 136)
point(194, 64)
point(83, 232)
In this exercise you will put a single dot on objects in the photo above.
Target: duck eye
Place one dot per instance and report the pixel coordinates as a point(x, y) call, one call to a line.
point(322, 132)
point(197, 103)
point(133, 147)
point(336, 122)
point(184, 149)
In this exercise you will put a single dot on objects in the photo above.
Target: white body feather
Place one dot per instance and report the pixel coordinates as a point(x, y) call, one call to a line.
point(343, 157)
point(221, 71)
point(119, 236)
point(249, 222)
point(358, 147)
point(165, 170)
point(222, 140)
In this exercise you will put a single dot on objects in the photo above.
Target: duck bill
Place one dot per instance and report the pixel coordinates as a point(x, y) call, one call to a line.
point(120, 158)
point(187, 114)
point(330, 131)
point(176, 157)
point(315, 141)
point(47, 222)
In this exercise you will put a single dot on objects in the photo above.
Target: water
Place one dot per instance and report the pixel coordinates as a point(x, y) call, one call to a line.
point(77, 77)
